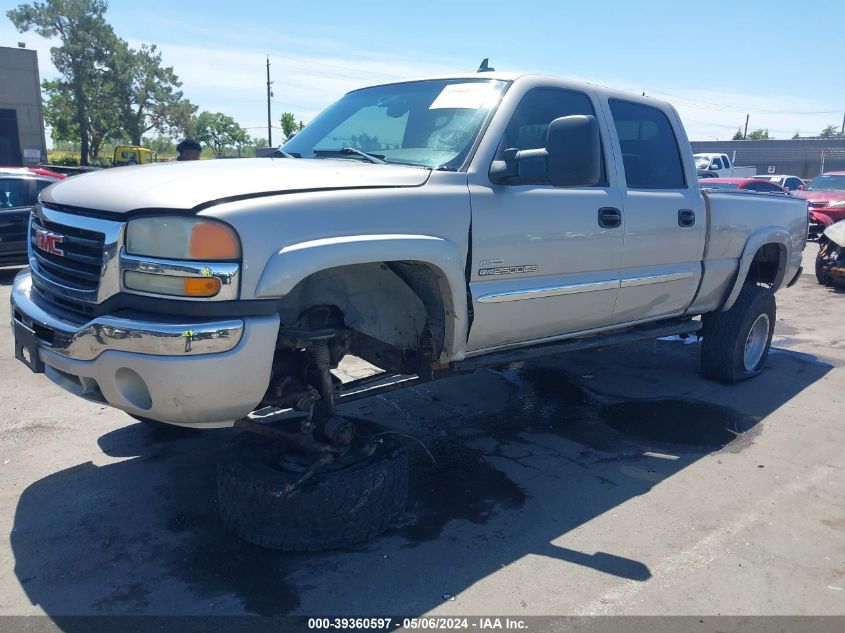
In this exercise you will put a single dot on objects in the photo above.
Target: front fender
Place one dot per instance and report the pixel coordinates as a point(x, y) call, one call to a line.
point(293, 263)
point(758, 239)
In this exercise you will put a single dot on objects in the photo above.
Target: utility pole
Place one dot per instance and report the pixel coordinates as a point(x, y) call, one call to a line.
point(269, 114)
point(744, 136)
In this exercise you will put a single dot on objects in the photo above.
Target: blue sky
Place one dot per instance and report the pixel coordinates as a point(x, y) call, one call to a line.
point(781, 62)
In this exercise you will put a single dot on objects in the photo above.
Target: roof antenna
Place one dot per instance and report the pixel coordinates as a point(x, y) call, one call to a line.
point(484, 68)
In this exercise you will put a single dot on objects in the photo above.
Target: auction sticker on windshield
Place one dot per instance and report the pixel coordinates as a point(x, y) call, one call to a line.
point(470, 96)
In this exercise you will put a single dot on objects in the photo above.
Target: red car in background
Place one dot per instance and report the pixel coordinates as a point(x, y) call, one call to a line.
point(41, 171)
point(741, 184)
point(825, 196)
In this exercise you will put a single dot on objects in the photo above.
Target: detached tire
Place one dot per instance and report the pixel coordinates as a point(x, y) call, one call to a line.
point(332, 509)
point(736, 342)
point(822, 258)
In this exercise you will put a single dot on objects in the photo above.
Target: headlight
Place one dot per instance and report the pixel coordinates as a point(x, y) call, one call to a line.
point(185, 238)
point(836, 205)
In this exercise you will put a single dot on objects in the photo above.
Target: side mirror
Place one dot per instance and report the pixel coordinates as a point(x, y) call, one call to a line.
point(574, 149)
point(571, 158)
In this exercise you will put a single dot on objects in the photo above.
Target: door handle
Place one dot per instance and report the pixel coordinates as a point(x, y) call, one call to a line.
point(610, 218)
point(686, 217)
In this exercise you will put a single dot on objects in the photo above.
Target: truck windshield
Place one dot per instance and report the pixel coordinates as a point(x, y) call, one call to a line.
point(427, 123)
point(702, 162)
point(827, 183)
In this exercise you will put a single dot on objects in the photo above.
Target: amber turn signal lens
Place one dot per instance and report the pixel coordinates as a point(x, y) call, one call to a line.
point(212, 241)
point(201, 287)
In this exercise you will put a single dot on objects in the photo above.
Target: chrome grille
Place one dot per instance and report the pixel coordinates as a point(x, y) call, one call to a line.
point(81, 264)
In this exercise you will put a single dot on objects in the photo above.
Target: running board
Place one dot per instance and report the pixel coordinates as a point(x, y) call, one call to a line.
point(639, 333)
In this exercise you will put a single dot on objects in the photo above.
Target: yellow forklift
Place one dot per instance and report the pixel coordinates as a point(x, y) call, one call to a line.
point(133, 155)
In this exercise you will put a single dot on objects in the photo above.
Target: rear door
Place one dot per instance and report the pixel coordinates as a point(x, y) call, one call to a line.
point(665, 223)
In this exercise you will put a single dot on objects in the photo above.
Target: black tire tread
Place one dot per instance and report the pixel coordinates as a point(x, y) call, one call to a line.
point(821, 275)
point(722, 331)
point(337, 510)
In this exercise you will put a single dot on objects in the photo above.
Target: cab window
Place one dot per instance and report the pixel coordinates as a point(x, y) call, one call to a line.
point(650, 153)
point(532, 117)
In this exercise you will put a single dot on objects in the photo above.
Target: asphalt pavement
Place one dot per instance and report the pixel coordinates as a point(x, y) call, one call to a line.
point(616, 481)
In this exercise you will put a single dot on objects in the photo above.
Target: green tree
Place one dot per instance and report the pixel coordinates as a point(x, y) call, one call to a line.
point(288, 122)
point(831, 131)
point(148, 95)
point(738, 135)
point(161, 144)
point(86, 39)
point(218, 131)
point(759, 135)
point(102, 122)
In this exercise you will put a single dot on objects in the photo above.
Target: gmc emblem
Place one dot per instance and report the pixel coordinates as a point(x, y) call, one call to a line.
point(48, 242)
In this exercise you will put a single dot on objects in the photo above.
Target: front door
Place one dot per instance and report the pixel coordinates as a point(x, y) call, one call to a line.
point(544, 260)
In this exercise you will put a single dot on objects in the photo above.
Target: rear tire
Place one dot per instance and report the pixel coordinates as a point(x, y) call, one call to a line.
point(332, 509)
point(821, 273)
point(827, 253)
point(736, 342)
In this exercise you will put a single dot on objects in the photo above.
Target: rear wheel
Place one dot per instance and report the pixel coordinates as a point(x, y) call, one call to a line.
point(827, 255)
point(736, 342)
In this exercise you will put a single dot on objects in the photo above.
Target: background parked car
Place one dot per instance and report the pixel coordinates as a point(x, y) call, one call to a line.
point(19, 189)
point(742, 184)
point(41, 171)
point(721, 166)
point(790, 183)
point(825, 196)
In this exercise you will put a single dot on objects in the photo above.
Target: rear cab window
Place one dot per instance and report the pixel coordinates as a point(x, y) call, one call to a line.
point(650, 154)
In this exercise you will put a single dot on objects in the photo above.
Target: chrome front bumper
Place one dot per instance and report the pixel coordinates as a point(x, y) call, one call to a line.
point(88, 341)
point(199, 374)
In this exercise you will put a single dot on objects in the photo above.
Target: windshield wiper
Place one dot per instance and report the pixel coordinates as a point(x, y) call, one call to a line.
point(373, 158)
point(283, 154)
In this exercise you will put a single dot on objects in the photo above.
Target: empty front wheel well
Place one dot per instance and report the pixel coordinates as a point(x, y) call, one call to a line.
point(402, 306)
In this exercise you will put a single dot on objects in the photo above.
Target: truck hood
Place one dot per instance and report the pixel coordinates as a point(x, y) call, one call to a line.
point(189, 184)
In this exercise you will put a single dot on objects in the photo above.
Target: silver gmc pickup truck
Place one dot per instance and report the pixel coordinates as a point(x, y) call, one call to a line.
point(428, 227)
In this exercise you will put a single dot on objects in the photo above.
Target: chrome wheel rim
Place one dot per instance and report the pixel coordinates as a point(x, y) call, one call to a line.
point(755, 344)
